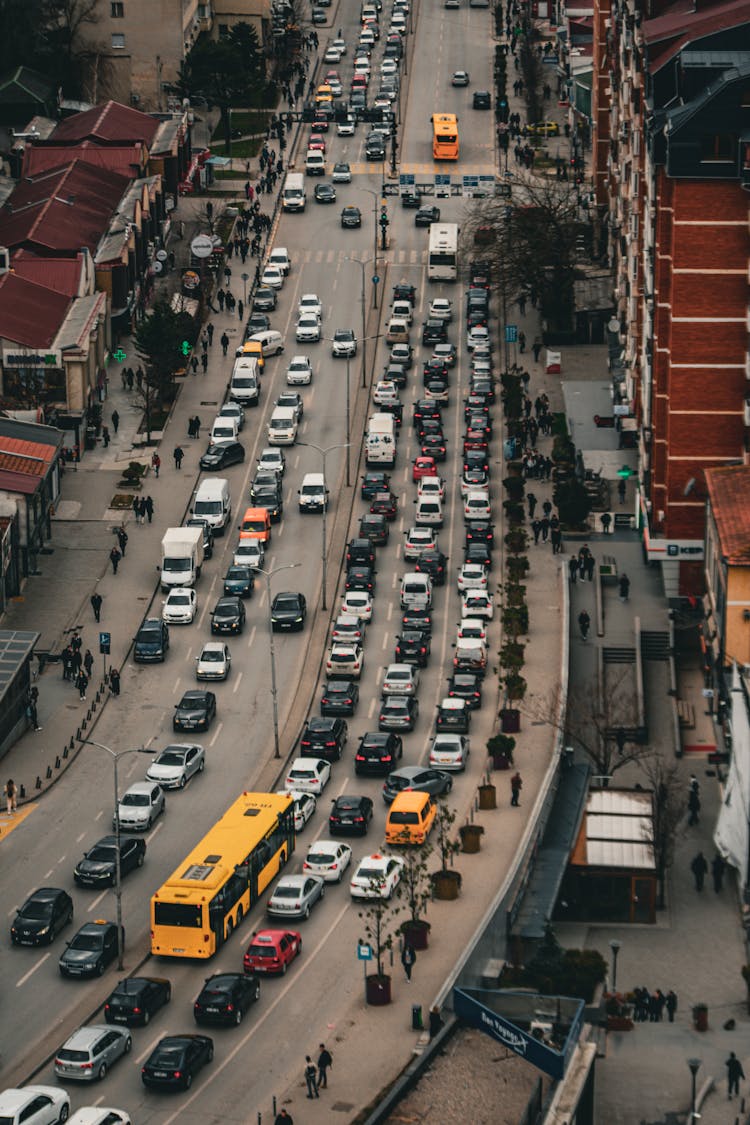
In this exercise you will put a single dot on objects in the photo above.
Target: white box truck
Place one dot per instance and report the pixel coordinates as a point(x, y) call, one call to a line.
point(294, 196)
point(380, 445)
point(181, 556)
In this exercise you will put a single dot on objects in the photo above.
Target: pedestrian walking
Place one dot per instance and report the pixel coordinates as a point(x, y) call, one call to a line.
point(178, 454)
point(699, 868)
point(115, 420)
point(96, 605)
point(624, 587)
point(149, 506)
point(283, 1118)
point(82, 682)
point(325, 1062)
point(734, 1074)
point(131, 378)
point(536, 348)
point(536, 527)
point(224, 343)
point(556, 540)
point(408, 958)
point(190, 428)
point(156, 464)
point(114, 681)
point(584, 624)
point(31, 714)
point(204, 362)
point(220, 297)
point(544, 525)
point(210, 334)
point(88, 662)
point(11, 796)
point(694, 808)
point(516, 784)
point(718, 867)
point(240, 308)
point(114, 558)
point(194, 364)
point(573, 568)
point(105, 436)
point(311, 1078)
point(531, 498)
point(606, 522)
point(137, 509)
point(671, 1004)
point(522, 342)
point(122, 539)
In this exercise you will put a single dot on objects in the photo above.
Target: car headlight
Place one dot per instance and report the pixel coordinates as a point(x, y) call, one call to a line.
point(42, 932)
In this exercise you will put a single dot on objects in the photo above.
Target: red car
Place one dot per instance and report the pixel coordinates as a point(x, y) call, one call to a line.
point(424, 467)
point(317, 141)
point(384, 504)
point(271, 951)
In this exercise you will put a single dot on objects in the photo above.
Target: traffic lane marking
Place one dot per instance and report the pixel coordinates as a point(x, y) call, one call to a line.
point(32, 970)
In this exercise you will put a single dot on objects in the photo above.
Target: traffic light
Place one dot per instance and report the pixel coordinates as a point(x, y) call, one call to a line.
point(383, 215)
point(308, 113)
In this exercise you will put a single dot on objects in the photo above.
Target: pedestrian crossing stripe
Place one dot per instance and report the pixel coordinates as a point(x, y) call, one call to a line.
point(8, 823)
point(456, 172)
point(394, 257)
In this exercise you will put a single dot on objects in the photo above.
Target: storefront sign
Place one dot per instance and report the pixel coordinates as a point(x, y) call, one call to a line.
point(16, 358)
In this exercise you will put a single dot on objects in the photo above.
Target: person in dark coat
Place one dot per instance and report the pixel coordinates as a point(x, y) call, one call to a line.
point(88, 662)
point(115, 420)
point(671, 1004)
point(114, 558)
point(122, 539)
point(694, 807)
point(699, 868)
point(734, 1074)
point(149, 506)
point(82, 683)
point(178, 454)
point(114, 681)
point(96, 605)
point(408, 958)
point(516, 785)
point(311, 1078)
point(325, 1062)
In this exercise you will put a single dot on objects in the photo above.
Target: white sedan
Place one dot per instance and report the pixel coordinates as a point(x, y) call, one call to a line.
point(273, 277)
point(346, 128)
point(418, 540)
point(472, 576)
point(472, 627)
point(249, 552)
point(431, 487)
point(176, 764)
point(345, 659)
point(308, 775)
point(304, 806)
point(441, 309)
point(478, 603)
point(477, 505)
point(180, 606)
point(214, 661)
point(377, 876)
point(385, 393)
point(34, 1105)
point(310, 303)
point(273, 459)
point(332, 55)
point(299, 371)
point(308, 329)
point(328, 859)
point(294, 896)
point(450, 752)
point(358, 603)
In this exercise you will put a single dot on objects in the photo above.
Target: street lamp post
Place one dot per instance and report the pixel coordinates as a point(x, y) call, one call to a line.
point(694, 1065)
point(374, 194)
point(359, 262)
point(268, 575)
point(115, 755)
point(614, 945)
point(324, 454)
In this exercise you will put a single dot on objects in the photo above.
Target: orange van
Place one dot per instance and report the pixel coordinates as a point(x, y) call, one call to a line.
point(410, 817)
point(256, 524)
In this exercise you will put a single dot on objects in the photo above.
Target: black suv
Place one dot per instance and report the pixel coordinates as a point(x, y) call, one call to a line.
point(219, 456)
point(482, 99)
point(378, 753)
point(360, 578)
point(404, 292)
point(288, 611)
point(411, 197)
point(468, 686)
point(373, 482)
point(136, 999)
point(375, 528)
point(375, 147)
point(360, 552)
point(324, 737)
point(413, 647)
point(434, 331)
point(350, 814)
point(151, 642)
point(340, 697)
point(228, 616)
point(432, 563)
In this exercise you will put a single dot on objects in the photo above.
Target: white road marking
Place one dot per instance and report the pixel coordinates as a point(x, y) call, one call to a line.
point(216, 733)
point(176, 686)
point(79, 838)
point(158, 828)
point(251, 638)
point(99, 814)
point(371, 709)
point(389, 613)
point(32, 970)
point(386, 636)
point(93, 905)
point(237, 683)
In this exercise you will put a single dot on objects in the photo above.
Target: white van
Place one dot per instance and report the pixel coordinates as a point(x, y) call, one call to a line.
point(397, 331)
point(279, 257)
point(223, 430)
point(403, 311)
point(313, 496)
point(245, 383)
point(213, 503)
point(271, 342)
point(294, 196)
point(282, 428)
point(315, 162)
point(429, 512)
point(416, 591)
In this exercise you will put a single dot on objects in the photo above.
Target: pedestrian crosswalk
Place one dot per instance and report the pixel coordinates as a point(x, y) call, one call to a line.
point(427, 170)
point(396, 257)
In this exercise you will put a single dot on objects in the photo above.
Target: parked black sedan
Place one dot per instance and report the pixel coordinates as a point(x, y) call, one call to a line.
point(225, 998)
point(195, 711)
point(340, 697)
point(350, 814)
point(175, 1061)
point(228, 616)
point(219, 456)
point(137, 999)
point(288, 611)
point(239, 581)
point(426, 216)
point(42, 916)
point(97, 868)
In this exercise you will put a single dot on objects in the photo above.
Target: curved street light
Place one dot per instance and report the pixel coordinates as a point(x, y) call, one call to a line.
point(268, 575)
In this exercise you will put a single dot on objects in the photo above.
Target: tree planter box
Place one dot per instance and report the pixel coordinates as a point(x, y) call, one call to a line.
point(446, 884)
point(471, 837)
point(378, 990)
point(416, 934)
point(487, 797)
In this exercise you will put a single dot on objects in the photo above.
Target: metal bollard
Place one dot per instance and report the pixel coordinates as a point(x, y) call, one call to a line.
point(83, 725)
point(66, 751)
point(38, 783)
point(49, 772)
point(58, 763)
point(71, 744)
point(22, 791)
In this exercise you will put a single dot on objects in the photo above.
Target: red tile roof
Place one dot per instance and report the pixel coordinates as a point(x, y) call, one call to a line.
point(107, 123)
point(23, 464)
point(63, 275)
point(30, 314)
point(124, 159)
point(729, 495)
point(681, 23)
point(61, 210)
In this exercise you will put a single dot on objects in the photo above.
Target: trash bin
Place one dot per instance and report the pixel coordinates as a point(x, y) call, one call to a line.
point(416, 1018)
point(510, 720)
point(700, 1017)
point(487, 797)
point(90, 438)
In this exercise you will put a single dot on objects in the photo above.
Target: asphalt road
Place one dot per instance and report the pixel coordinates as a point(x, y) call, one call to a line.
point(77, 812)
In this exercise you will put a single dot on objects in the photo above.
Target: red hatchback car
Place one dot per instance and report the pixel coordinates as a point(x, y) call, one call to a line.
point(271, 951)
point(424, 467)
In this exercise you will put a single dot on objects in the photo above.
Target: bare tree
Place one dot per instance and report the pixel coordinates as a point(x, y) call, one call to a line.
point(669, 808)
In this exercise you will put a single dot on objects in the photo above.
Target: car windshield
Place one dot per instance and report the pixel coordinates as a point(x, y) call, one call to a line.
point(90, 942)
point(170, 758)
point(212, 656)
point(102, 854)
point(37, 910)
point(137, 799)
point(287, 601)
point(225, 610)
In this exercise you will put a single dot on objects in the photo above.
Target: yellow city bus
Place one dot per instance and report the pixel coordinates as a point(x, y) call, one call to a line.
point(211, 891)
point(444, 136)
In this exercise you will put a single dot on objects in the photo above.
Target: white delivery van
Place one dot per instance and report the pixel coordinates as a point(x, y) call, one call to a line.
point(416, 591)
point(282, 428)
point(315, 162)
point(294, 196)
point(223, 430)
point(213, 503)
point(181, 556)
point(313, 496)
point(244, 386)
point(279, 257)
point(402, 311)
point(380, 444)
point(271, 341)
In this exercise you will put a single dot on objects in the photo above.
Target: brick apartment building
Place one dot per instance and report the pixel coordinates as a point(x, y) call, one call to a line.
point(671, 146)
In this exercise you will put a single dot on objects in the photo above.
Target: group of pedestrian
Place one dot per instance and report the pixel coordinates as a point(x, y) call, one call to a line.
point(76, 664)
point(649, 1007)
point(131, 379)
point(143, 508)
point(194, 427)
point(316, 1077)
point(699, 868)
point(547, 526)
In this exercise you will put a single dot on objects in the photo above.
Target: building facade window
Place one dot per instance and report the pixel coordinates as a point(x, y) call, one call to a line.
point(117, 10)
point(720, 148)
point(118, 42)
